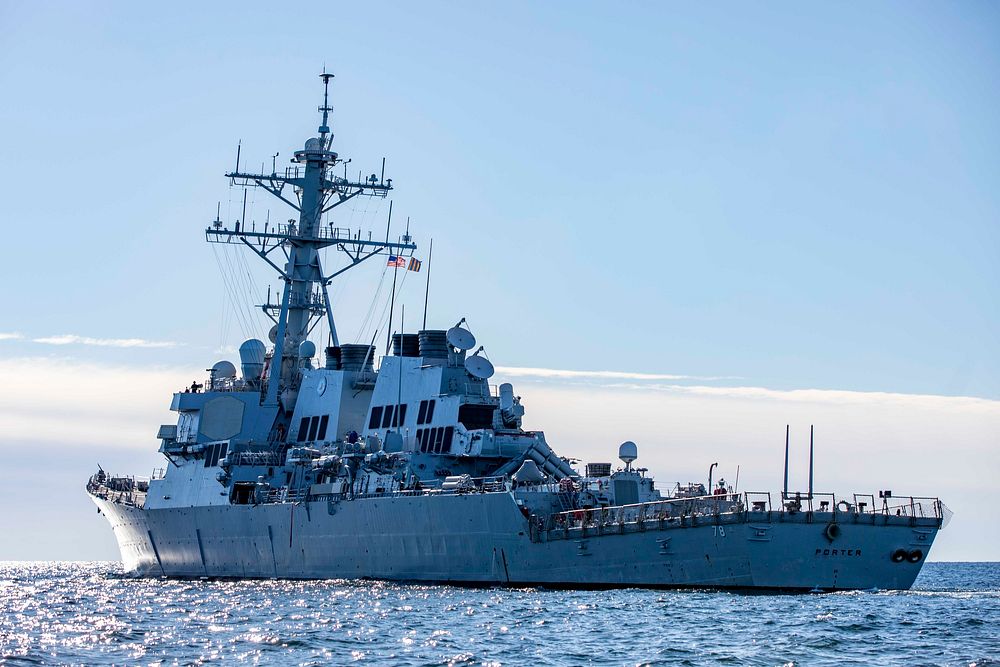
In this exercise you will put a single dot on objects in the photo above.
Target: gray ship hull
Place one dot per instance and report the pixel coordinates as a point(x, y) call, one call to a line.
point(484, 539)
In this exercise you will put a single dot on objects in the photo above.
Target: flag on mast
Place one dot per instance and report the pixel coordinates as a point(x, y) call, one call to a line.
point(414, 264)
point(397, 261)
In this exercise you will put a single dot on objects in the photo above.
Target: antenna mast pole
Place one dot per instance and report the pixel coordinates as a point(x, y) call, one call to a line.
point(304, 296)
point(427, 288)
point(784, 493)
point(399, 369)
point(810, 462)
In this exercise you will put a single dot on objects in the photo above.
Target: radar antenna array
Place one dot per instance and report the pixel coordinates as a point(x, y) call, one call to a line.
point(479, 367)
point(461, 338)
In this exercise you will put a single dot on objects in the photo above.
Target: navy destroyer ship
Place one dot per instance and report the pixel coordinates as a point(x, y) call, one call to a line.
point(419, 470)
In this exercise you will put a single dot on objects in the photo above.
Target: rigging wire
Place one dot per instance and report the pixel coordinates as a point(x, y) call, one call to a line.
point(240, 289)
point(371, 308)
point(383, 319)
point(229, 290)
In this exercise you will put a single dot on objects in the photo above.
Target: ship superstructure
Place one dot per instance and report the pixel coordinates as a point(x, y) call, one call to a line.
point(313, 466)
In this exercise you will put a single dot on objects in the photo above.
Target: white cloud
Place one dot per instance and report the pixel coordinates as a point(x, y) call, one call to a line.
point(61, 401)
point(72, 339)
point(929, 445)
point(13, 335)
point(824, 396)
point(558, 373)
point(655, 382)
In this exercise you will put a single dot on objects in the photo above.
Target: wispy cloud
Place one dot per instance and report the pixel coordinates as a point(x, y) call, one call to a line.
point(558, 373)
point(12, 335)
point(825, 396)
point(664, 383)
point(73, 339)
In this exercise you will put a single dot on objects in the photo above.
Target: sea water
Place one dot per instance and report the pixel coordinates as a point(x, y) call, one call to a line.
point(90, 614)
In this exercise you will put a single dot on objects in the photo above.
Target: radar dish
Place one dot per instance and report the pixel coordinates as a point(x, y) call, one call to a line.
point(272, 335)
point(479, 367)
point(461, 339)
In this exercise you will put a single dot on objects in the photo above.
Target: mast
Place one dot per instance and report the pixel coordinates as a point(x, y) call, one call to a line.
point(305, 297)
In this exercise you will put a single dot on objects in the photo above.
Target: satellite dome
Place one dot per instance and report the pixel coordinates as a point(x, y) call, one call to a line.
point(307, 349)
point(252, 359)
point(628, 452)
point(223, 370)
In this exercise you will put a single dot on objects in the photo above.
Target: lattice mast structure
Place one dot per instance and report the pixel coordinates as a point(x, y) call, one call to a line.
point(316, 189)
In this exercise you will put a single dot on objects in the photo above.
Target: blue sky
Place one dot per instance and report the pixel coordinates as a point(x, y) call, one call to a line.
point(793, 197)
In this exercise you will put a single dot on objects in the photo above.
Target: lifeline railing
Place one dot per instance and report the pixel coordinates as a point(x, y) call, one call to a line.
point(119, 489)
point(748, 505)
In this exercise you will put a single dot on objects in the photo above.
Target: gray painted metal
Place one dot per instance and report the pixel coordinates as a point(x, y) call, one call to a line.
point(457, 538)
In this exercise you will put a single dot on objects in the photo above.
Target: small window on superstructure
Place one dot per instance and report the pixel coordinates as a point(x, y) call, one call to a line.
point(387, 416)
point(376, 418)
point(474, 416)
point(303, 429)
point(324, 422)
point(422, 413)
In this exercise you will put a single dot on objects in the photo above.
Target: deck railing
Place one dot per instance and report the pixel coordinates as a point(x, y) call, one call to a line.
point(745, 506)
point(121, 489)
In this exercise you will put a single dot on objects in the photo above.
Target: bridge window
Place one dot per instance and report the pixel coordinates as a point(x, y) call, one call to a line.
point(303, 429)
point(376, 418)
point(214, 453)
point(324, 422)
point(313, 427)
point(400, 417)
point(422, 412)
point(387, 416)
point(430, 412)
